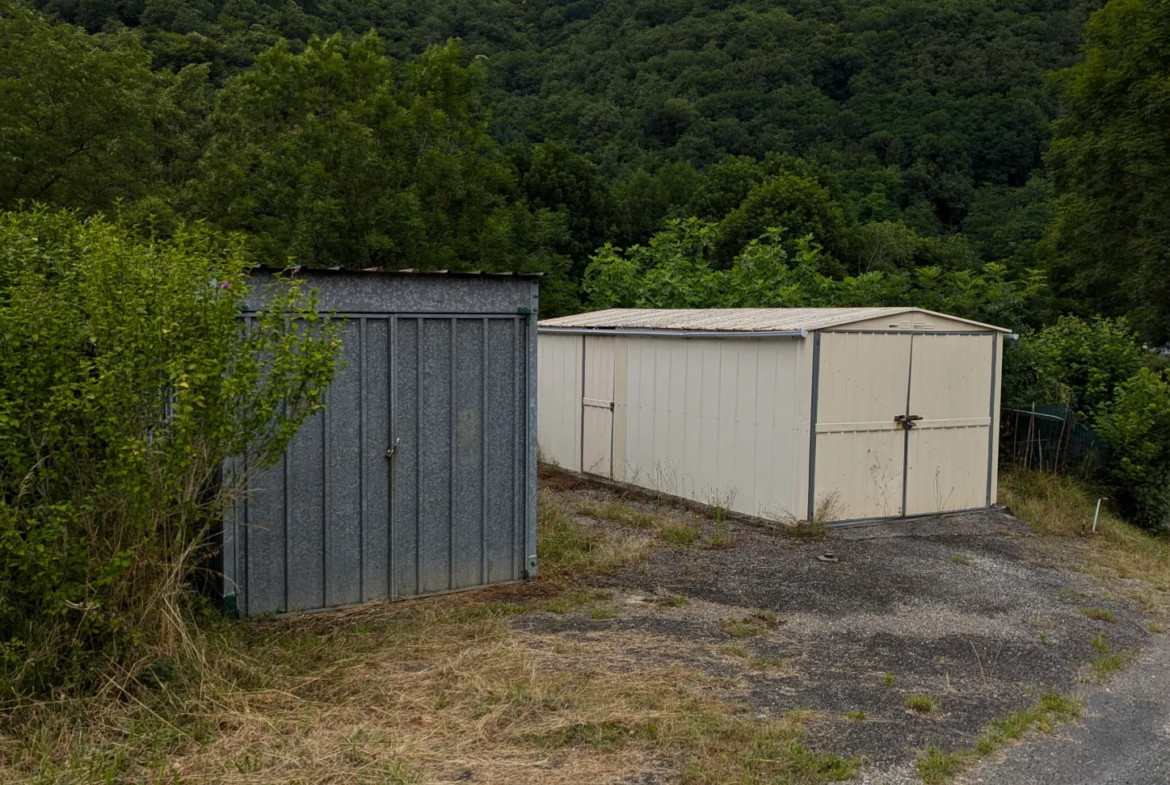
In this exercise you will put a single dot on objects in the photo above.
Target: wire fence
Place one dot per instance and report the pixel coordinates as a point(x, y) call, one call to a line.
point(1049, 438)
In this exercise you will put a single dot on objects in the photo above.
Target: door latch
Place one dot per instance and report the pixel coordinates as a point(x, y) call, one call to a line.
point(393, 450)
point(907, 420)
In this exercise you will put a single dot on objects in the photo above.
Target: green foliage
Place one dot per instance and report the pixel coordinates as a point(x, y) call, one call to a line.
point(331, 157)
point(1100, 370)
point(1136, 426)
point(127, 380)
point(571, 186)
point(926, 103)
point(1111, 160)
point(1077, 362)
point(80, 117)
point(799, 204)
point(676, 271)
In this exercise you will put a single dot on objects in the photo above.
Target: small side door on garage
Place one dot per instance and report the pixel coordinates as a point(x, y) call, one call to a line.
point(597, 403)
point(901, 423)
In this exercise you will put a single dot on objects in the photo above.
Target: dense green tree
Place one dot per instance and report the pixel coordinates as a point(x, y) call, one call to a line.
point(335, 157)
point(949, 95)
point(799, 204)
point(1007, 224)
point(652, 194)
point(558, 180)
point(80, 117)
point(1111, 161)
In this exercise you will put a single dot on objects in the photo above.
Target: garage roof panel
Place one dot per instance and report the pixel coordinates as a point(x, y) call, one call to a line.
point(736, 319)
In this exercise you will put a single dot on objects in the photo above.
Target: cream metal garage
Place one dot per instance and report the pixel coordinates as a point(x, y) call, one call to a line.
point(844, 414)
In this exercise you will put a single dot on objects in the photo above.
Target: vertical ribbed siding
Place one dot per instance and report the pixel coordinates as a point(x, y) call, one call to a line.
point(335, 522)
point(560, 400)
point(712, 420)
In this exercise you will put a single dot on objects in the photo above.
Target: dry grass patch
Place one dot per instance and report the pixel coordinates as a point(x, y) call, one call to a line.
point(435, 690)
point(1062, 507)
point(432, 690)
point(569, 549)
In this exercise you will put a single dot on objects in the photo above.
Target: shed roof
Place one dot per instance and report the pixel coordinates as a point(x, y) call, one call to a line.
point(736, 319)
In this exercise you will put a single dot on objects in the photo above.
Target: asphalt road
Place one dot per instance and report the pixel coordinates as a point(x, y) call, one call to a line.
point(1124, 738)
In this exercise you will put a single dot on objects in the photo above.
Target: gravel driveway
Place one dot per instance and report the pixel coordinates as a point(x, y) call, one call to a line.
point(969, 611)
point(1123, 740)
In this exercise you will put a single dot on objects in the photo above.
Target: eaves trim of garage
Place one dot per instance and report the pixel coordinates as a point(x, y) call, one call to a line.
point(792, 322)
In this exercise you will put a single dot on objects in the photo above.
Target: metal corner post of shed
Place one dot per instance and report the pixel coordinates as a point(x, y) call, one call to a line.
point(419, 476)
point(812, 426)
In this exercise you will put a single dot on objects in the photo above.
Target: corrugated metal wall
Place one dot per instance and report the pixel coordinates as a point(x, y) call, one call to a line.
point(339, 521)
point(862, 383)
point(728, 419)
point(560, 400)
point(711, 420)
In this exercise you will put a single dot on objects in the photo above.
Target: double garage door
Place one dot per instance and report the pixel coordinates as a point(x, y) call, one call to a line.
point(902, 423)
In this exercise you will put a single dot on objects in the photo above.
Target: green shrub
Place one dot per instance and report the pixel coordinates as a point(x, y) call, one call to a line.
point(1099, 369)
point(677, 269)
point(1136, 427)
point(127, 379)
point(1075, 361)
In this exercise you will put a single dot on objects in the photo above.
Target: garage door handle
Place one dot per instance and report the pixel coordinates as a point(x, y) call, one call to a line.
point(907, 420)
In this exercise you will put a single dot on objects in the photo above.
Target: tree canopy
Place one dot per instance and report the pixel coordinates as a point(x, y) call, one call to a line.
point(1111, 162)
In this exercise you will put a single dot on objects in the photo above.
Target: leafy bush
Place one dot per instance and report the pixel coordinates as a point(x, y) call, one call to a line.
point(1078, 362)
point(1136, 426)
point(1100, 370)
point(677, 270)
point(127, 378)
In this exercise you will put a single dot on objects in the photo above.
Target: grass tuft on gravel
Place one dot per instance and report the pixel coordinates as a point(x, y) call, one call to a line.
point(614, 511)
point(936, 766)
point(1099, 614)
point(1107, 662)
point(921, 704)
point(753, 625)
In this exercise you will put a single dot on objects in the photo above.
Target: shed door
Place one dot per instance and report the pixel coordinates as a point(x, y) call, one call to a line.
point(948, 450)
point(597, 406)
point(457, 452)
point(861, 386)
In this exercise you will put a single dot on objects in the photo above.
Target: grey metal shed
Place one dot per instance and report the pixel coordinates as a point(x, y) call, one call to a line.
point(419, 476)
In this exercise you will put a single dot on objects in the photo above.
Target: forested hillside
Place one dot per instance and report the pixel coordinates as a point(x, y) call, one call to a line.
point(526, 134)
point(1001, 160)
